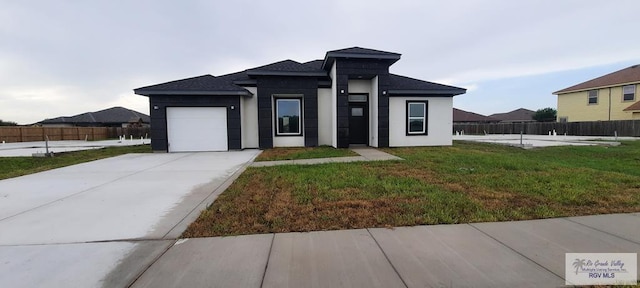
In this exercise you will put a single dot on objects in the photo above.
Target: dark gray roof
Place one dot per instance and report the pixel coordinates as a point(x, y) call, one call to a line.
point(518, 115)
point(201, 85)
point(358, 53)
point(404, 86)
point(466, 116)
point(364, 51)
point(114, 115)
point(315, 64)
point(232, 84)
point(286, 68)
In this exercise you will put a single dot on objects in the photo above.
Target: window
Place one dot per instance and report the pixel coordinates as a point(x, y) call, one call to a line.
point(629, 93)
point(288, 113)
point(416, 118)
point(564, 119)
point(593, 97)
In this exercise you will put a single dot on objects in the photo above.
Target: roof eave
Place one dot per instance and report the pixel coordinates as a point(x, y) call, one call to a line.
point(565, 91)
point(249, 82)
point(286, 73)
point(331, 56)
point(430, 93)
point(193, 93)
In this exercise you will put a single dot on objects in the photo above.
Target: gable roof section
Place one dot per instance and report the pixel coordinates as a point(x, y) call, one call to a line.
point(200, 85)
point(359, 53)
point(466, 116)
point(627, 75)
point(110, 115)
point(315, 64)
point(406, 86)
point(633, 107)
point(286, 68)
point(518, 115)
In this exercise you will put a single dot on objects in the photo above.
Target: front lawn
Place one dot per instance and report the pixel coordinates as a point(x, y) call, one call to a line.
point(18, 166)
point(293, 153)
point(467, 182)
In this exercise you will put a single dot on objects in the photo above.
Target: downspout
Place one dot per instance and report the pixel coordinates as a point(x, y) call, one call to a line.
point(609, 103)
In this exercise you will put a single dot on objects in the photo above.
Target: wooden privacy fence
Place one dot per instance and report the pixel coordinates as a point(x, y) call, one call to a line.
point(29, 134)
point(595, 128)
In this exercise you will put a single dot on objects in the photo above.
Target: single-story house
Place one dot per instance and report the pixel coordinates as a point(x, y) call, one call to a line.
point(608, 97)
point(111, 117)
point(347, 98)
point(462, 116)
point(518, 115)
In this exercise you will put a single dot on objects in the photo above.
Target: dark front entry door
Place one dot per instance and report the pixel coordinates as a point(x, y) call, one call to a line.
point(358, 123)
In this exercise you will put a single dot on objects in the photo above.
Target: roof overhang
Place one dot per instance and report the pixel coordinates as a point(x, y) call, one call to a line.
point(331, 56)
point(286, 73)
point(428, 93)
point(565, 91)
point(193, 93)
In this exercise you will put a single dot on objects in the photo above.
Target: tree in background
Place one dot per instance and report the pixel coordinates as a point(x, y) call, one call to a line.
point(7, 123)
point(545, 115)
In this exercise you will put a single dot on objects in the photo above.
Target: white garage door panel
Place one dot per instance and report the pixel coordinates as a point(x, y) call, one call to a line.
point(192, 129)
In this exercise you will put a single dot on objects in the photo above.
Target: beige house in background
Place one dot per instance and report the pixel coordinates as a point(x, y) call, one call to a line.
point(610, 97)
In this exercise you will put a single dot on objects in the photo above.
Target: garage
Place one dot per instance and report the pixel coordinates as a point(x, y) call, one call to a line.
point(192, 129)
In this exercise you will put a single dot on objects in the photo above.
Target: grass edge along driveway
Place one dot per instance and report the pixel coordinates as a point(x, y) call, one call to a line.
point(464, 183)
point(18, 166)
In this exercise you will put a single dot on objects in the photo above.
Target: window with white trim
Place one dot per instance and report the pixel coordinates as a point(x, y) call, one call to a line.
point(416, 117)
point(288, 116)
point(629, 93)
point(593, 97)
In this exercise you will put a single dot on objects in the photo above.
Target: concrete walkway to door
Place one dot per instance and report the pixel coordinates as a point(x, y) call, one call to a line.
point(366, 154)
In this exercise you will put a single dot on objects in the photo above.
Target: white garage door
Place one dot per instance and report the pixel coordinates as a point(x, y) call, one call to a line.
point(191, 129)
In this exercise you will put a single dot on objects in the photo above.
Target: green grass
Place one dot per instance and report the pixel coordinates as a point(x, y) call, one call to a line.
point(467, 182)
point(18, 166)
point(275, 154)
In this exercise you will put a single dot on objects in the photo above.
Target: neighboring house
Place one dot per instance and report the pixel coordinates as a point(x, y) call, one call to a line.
point(347, 98)
point(461, 116)
point(518, 115)
point(609, 97)
point(112, 117)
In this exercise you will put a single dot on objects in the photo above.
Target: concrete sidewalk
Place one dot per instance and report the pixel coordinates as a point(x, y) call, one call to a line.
point(505, 254)
point(366, 154)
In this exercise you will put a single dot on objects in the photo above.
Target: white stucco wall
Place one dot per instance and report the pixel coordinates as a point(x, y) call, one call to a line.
point(373, 113)
point(360, 86)
point(249, 119)
point(334, 108)
point(324, 116)
point(288, 141)
point(440, 122)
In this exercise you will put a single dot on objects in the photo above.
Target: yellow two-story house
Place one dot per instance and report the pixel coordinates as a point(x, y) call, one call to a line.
point(610, 97)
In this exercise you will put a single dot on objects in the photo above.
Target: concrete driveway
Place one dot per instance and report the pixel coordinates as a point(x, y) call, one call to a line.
point(104, 222)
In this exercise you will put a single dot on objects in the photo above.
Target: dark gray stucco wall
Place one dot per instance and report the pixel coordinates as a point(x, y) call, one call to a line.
point(274, 85)
point(366, 68)
point(159, 116)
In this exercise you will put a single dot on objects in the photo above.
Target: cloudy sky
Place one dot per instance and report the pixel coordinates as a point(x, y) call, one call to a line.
point(61, 58)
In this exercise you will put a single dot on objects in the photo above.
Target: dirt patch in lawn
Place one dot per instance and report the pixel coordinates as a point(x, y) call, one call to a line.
point(293, 153)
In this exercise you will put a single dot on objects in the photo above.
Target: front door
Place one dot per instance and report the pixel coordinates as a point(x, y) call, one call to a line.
point(358, 123)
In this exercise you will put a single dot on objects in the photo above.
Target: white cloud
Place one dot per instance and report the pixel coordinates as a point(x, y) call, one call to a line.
point(92, 54)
